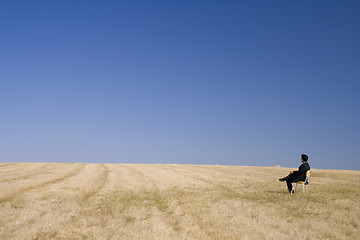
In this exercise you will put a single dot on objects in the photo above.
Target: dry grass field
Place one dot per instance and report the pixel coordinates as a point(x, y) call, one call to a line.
point(139, 201)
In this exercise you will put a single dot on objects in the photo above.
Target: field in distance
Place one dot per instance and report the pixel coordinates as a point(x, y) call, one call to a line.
point(155, 201)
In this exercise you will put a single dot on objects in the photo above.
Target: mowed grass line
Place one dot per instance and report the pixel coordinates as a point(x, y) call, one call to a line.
point(15, 193)
point(4, 171)
point(98, 210)
point(118, 207)
point(156, 200)
point(7, 164)
point(101, 180)
point(55, 204)
point(199, 203)
point(29, 173)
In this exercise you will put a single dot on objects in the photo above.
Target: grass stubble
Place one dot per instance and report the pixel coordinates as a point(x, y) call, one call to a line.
point(155, 201)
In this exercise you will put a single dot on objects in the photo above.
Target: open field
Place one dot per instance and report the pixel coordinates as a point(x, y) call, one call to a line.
point(138, 201)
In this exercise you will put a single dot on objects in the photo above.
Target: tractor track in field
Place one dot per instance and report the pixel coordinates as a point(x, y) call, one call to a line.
point(200, 177)
point(82, 200)
point(140, 175)
point(14, 194)
point(10, 170)
point(35, 172)
point(162, 212)
point(102, 179)
point(85, 201)
point(7, 164)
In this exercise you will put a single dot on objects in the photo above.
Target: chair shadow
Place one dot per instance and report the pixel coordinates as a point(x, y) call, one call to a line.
point(277, 191)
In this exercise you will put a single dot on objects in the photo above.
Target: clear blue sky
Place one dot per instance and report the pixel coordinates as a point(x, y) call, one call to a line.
point(200, 82)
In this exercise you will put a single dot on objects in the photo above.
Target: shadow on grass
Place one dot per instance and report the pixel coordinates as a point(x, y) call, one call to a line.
point(277, 191)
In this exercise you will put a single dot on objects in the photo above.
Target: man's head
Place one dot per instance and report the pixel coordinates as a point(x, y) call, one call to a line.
point(304, 157)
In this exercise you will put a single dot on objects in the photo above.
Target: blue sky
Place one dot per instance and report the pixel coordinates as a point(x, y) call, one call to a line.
point(200, 82)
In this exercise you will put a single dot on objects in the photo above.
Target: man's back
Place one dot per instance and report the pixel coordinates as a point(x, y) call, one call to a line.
point(300, 175)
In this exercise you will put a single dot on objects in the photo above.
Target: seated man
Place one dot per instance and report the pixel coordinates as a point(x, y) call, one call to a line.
point(299, 175)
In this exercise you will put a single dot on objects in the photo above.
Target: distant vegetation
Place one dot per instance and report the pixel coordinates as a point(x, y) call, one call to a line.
point(138, 201)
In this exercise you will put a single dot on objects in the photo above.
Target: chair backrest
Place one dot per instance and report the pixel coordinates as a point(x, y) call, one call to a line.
point(307, 176)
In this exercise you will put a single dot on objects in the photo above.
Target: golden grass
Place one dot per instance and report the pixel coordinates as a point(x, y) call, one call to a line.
point(138, 201)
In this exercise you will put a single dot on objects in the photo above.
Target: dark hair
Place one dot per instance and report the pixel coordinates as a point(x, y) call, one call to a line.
point(304, 157)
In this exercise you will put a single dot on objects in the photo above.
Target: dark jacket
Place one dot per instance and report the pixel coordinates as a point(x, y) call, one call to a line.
point(300, 175)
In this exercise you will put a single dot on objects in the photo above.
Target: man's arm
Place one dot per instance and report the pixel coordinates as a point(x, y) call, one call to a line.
point(301, 170)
